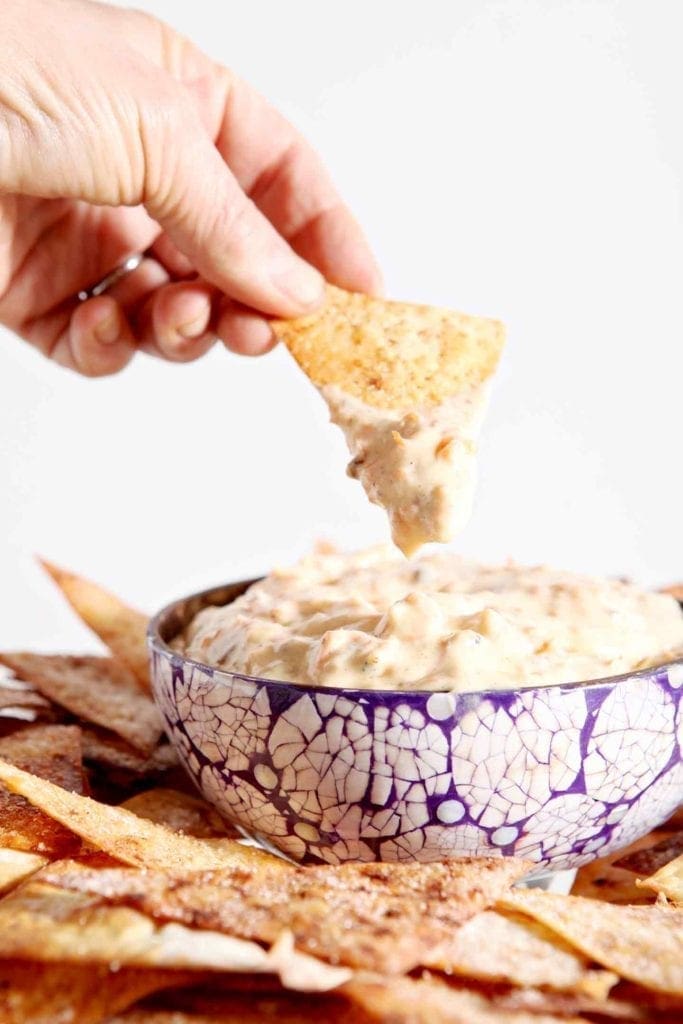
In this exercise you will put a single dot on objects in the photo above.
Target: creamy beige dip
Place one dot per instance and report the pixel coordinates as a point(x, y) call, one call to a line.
point(373, 621)
point(420, 466)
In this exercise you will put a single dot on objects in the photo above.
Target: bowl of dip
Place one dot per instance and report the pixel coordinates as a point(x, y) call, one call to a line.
point(369, 708)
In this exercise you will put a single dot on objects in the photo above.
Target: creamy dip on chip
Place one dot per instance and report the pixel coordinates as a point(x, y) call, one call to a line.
point(372, 620)
point(420, 465)
point(408, 385)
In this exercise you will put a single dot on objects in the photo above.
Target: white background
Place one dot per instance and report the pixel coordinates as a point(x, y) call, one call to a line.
point(521, 159)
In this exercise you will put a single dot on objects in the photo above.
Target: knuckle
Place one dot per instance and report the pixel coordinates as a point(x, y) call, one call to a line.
point(165, 125)
point(237, 221)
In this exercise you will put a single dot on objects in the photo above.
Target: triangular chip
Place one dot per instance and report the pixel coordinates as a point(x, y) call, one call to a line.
point(431, 1001)
point(122, 629)
point(41, 922)
point(99, 690)
point(392, 355)
point(128, 838)
point(649, 859)
point(16, 865)
point(180, 812)
point(407, 385)
point(18, 696)
point(388, 917)
point(280, 1008)
point(33, 993)
point(668, 881)
point(109, 751)
point(642, 944)
point(608, 879)
point(497, 947)
point(51, 752)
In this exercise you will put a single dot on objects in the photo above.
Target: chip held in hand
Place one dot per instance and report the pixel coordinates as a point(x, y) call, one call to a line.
point(408, 385)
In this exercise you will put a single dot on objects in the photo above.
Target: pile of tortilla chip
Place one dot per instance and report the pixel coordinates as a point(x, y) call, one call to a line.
point(124, 897)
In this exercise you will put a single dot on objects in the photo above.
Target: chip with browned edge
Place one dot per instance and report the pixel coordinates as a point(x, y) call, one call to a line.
point(668, 881)
point(607, 879)
point(642, 944)
point(180, 812)
point(98, 690)
point(16, 865)
point(283, 1008)
point(497, 947)
point(51, 752)
point(430, 1001)
point(387, 917)
point(44, 923)
point(121, 628)
point(20, 700)
point(33, 993)
point(130, 839)
point(108, 750)
point(650, 859)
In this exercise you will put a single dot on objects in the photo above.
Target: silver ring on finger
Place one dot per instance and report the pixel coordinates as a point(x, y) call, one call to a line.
point(113, 277)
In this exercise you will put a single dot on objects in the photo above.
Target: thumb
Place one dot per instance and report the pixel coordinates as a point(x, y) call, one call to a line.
point(202, 207)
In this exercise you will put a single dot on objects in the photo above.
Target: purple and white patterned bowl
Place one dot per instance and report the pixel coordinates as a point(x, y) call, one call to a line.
point(557, 774)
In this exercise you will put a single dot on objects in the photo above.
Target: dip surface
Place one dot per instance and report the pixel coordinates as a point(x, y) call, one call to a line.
point(372, 620)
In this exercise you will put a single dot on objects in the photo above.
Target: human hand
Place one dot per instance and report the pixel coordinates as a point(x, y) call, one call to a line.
point(118, 136)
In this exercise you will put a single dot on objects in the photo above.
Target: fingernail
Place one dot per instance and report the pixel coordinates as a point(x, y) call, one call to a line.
point(107, 331)
point(301, 284)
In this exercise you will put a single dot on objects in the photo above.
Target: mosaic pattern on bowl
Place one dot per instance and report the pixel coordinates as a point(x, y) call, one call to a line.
point(558, 775)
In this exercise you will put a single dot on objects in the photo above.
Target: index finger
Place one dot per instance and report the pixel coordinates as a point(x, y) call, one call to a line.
point(272, 162)
point(275, 166)
point(288, 182)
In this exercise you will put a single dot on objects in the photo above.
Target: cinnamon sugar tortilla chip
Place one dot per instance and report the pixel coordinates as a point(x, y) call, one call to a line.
point(607, 879)
point(122, 629)
point(609, 884)
point(668, 881)
point(130, 839)
point(537, 1000)
point(392, 355)
point(660, 1007)
point(652, 859)
point(387, 917)
point(44, 923)
point(98, 690)
point(15, 866)
point(642, 944)
point(510, 948)
point(431, 1001)
point(15, 694)
point(180, 812)
point(107, 749)
point(51, 752)
point(33, 993)
point(280, 1008)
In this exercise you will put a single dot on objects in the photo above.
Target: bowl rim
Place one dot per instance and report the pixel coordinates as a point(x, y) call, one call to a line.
point(157, 645)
